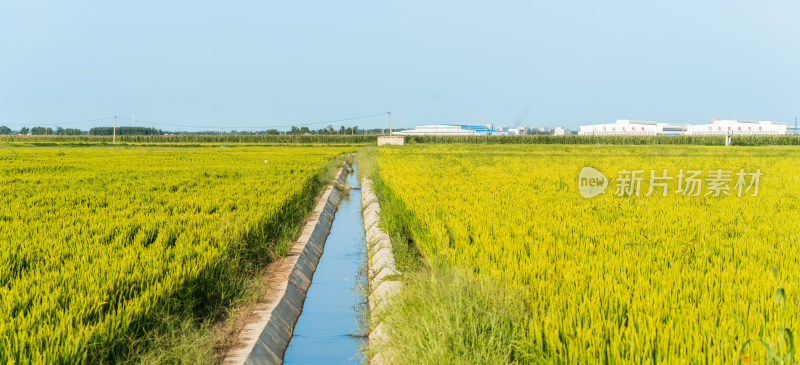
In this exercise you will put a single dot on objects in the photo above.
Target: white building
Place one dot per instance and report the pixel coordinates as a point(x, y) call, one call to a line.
point(632, 127)
point(724, 126)
point(716, 127)
point(518, 131)
point(559, 131)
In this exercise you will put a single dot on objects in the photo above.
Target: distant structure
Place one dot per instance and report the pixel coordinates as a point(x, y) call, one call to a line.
point(518, 131)
point(453, 130)
point(391, 140)
point(724, 126)
point(717, 126)
point(633, 127)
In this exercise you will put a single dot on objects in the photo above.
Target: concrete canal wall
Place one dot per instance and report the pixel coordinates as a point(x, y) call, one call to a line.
point(382, 280)
point(264, 340)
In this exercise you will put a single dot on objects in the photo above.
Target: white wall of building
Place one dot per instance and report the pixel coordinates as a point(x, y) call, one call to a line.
point(724, 126)
point(448, 130)
point(716, 127)
point(437, 129)
point(623, 127)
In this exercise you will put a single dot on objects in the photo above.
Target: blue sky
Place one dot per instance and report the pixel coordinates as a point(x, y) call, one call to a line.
point(259, 64)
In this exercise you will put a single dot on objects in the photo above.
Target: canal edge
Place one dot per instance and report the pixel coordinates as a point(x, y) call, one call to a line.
point(265, 339)
point(381, 270)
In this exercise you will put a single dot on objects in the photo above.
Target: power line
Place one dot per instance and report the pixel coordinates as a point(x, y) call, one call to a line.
point(60, 123)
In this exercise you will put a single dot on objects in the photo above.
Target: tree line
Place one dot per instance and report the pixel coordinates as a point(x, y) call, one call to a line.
point(148, 131)
point(42, 131)
point(125, 131)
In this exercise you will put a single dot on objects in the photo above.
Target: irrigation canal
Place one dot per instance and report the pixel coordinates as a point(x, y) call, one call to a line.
point(327, 331)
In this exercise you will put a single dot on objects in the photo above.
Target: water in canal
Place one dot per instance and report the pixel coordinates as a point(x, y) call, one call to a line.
point(327, 331)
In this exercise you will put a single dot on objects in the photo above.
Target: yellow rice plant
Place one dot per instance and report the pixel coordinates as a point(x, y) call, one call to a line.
point(610, 279)
point(94, 239)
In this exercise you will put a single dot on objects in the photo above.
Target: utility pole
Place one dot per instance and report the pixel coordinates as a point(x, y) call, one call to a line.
point(114, 138)
point(390, 122)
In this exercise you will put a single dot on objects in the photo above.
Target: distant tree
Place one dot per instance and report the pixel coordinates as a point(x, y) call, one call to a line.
point(72, 132)
point(273, 131)
point(38, 131)
point(60, 131)
point(24, 130)
point(121, 131)
point(49, 131)
point(5, 130)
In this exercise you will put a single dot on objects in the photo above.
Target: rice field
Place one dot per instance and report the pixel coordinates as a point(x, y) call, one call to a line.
point(95, 240)
point(632, 275)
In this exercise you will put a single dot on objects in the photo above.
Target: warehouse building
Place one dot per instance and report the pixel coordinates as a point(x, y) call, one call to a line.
point(724, 126)
point(716, 127)
point(632, 127)
point(452, 130)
